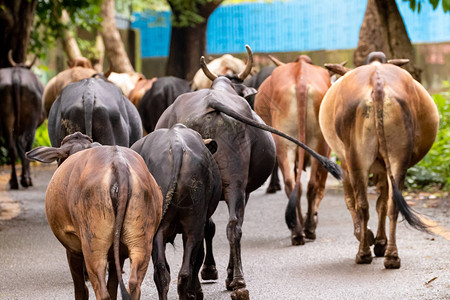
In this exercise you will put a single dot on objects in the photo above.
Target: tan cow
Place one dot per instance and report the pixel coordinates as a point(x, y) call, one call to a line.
point(79, 68)
point(141, 87)
point(289, 100)
point(224, 65)
point(378, 120)
point(125, 81)
point(103, 205)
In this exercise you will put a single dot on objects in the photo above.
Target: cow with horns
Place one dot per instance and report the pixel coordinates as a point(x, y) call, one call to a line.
point(378, 120)
point(104, 206)
point(289, 100)
point(245, 154)
point(21, 113)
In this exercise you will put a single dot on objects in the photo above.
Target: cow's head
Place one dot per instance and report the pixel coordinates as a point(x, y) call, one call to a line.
point(71, 144)
point(21, 65)
point(79, 62)
point(236, 80)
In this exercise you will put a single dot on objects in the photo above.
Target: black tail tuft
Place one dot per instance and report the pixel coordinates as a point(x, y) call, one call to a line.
point(123, 290)
point(333, 168)
point(410, 215)
point(291, 209)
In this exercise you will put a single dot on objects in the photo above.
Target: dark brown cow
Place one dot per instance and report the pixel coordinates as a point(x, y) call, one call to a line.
point(20, 114)
point(379, 120)
point(289, 100)
point(189, 178)
point(79, 68)
point(103, 205)
point(245, 155)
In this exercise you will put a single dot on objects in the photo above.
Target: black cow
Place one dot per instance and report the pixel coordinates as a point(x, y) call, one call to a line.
point(97, 108)
point(162, 94)
point(190, 181)
point(245, 156)
point(20, 114)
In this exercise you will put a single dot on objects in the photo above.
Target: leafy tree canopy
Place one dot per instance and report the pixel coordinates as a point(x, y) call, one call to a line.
point(417, 4)
point(48, 25)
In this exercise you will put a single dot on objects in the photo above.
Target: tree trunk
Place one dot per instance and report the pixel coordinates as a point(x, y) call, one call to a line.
point(70, 44)
point(16, 18)
point(114, 48)
point(383, 30)
point(188, 44)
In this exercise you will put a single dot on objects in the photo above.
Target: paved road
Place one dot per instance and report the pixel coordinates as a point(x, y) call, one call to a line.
point(33, 263)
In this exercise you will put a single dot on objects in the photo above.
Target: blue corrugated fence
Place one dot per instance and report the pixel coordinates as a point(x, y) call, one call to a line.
point(284, 26)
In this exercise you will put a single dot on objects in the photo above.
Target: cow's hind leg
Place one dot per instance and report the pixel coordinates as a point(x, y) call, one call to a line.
point(77, 270)
point(25, 143)
point(113, 281)
point(12, 151)
point(235, 279)
point(314, 194)
point(161, 273)
point(381, 239)
point(96, 263)
point(391, 258)
point(209, 271)
point(139, 259)
point(188, 283)
point(274, 184)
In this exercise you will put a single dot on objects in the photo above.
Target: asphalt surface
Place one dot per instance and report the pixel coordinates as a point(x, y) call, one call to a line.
point(33, 263)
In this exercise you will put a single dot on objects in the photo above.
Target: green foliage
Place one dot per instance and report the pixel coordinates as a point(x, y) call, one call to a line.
point(186, 12)
point(48, 28)
point(41, 138)
point(434, 168)
point(417, 4)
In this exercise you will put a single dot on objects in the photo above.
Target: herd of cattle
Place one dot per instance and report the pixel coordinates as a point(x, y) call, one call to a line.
point(118, 195)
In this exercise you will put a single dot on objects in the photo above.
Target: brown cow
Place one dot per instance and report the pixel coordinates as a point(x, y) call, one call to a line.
point(103, 205)
point(79, 68)
point(141, 87)
point(289, 100)
point(379, 120)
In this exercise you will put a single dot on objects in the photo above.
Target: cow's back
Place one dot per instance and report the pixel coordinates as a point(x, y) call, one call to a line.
point(409, 111)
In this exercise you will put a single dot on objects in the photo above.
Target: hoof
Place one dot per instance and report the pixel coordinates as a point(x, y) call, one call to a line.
point(228, 284)
point(26, 182)
point(209, 273)
point(240, 294)
point(271, 190)
point(297, 240)
point(363, 259)
point(310, 235)
point(392, 262)
point(13, 184)
point(380, 248)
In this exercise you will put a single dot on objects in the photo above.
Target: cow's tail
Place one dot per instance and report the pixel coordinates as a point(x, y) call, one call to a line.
point(177, 159)
point(120, 190)
point(293, 204)
point(378, 98)
point(88, 100)
point(16, 82)
point(331, 167)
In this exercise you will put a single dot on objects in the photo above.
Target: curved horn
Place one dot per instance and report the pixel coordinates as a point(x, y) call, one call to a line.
point(10, 58)
point(275, 60)
point(249, 65)
point(32, 62)
point(398, 61)
point(337, 68)
point(205, 69)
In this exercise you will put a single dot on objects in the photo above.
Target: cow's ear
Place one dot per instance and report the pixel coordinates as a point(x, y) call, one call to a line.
point(243, 90)
point(211, 145)
point(45, 154)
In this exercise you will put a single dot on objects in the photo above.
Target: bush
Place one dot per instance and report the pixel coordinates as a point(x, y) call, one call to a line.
point(434, 168)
